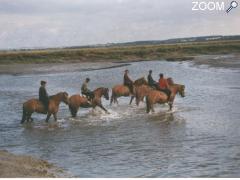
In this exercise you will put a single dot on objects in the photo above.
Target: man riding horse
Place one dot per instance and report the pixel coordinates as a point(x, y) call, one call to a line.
point(127, 81)
point(151, 81)
point(43, 95)
point(164, 86)
point(87, 92)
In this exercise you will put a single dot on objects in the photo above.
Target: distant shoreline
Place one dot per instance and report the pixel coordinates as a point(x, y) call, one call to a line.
point(125, 54)
point(231, 61)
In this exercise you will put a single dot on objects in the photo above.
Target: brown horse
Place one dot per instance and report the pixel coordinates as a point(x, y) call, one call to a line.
point(143, 90)
point(34, 105)
point(121, 90)
point(77, 101)
point(156, 96)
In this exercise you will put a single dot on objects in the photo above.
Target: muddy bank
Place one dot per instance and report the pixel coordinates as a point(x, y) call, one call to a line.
point(223, 61)
point(12, 166)
point(18, 69)
point(231, 61)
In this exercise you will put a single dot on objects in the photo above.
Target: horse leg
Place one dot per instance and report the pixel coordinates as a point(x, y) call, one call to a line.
point(115, 100)
point(23, 116)
point(29, 117)
point(73, 111)
point(101, 106)
point(132, 97)
point(55, 116)
point(170, 105)
point(112, 98)
point(48, 117)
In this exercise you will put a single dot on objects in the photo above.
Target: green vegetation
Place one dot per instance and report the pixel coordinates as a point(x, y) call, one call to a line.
point(171, 52)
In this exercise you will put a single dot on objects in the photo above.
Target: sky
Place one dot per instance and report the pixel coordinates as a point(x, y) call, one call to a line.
point(58, 23)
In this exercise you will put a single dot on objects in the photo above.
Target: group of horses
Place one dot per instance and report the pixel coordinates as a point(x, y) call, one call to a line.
point(141, 89)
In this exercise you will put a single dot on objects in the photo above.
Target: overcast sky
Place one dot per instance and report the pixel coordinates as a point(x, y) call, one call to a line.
point(57, 23)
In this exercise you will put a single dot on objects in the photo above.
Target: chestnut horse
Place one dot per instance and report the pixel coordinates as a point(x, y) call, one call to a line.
point(77, 101)
point(156, 96)
point(143, 90)
point(121, 90)
point(34, 105)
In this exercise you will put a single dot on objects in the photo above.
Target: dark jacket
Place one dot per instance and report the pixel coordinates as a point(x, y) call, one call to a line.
point(43, 95)
point(151, 82)
point(127, 80)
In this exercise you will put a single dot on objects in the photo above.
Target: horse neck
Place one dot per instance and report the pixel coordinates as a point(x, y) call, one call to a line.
point(175, 89)
point(57, 98)
point(98, 92)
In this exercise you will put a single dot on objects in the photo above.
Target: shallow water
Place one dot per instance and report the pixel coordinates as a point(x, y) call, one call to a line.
point(199, 138)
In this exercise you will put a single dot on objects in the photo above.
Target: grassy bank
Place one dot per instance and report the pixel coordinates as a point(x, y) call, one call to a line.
point(171, 52)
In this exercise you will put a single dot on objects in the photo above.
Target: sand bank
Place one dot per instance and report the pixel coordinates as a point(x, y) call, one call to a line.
point(12, 166)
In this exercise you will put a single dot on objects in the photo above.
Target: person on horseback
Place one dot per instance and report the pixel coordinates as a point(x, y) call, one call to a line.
point(164, 86)
point(151, 81)
point(85, 91)
point(43, 95)
point(127, 81)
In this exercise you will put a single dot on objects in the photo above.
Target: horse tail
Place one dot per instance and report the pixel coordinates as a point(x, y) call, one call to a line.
point(148, 104)
point(72, 110)
point(23, 115)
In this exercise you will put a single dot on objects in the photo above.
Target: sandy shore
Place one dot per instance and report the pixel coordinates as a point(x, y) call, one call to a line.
point(12, 166)
point(223, 61)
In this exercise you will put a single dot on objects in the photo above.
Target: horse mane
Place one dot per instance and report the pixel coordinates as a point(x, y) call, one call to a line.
point(99, 89)
point(55, 95)
point(140, 81)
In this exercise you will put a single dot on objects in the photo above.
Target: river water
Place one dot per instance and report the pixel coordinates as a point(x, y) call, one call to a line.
point(199, 138)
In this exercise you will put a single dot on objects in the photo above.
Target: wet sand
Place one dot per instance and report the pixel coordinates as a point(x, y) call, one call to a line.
point(223, 61)
point(12, 166)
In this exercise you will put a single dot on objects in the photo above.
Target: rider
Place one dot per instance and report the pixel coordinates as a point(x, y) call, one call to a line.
point(86, 91)
point(43, 95)
point(127, 81)
point(151, 81)
point(164, 86)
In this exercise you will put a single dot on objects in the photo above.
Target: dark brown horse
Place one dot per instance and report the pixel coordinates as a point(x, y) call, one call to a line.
point(34, 105)
point(77, 101)
point(159, 97)
point(143, 90)
point(121, 90)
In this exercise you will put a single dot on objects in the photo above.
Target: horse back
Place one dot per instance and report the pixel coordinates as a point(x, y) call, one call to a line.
point(157, 96)
point(34, 105)
point(120, 90)
point(77, 101)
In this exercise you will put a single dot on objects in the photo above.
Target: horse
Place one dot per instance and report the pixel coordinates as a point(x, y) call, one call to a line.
point(143, 90)
point(156, 96)
point(121, 90)
point(77, 101)
point(34, 105)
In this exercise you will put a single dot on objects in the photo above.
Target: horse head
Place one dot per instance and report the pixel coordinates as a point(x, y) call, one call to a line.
point(65, 98)
point(181, 90)
point(99, 92)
